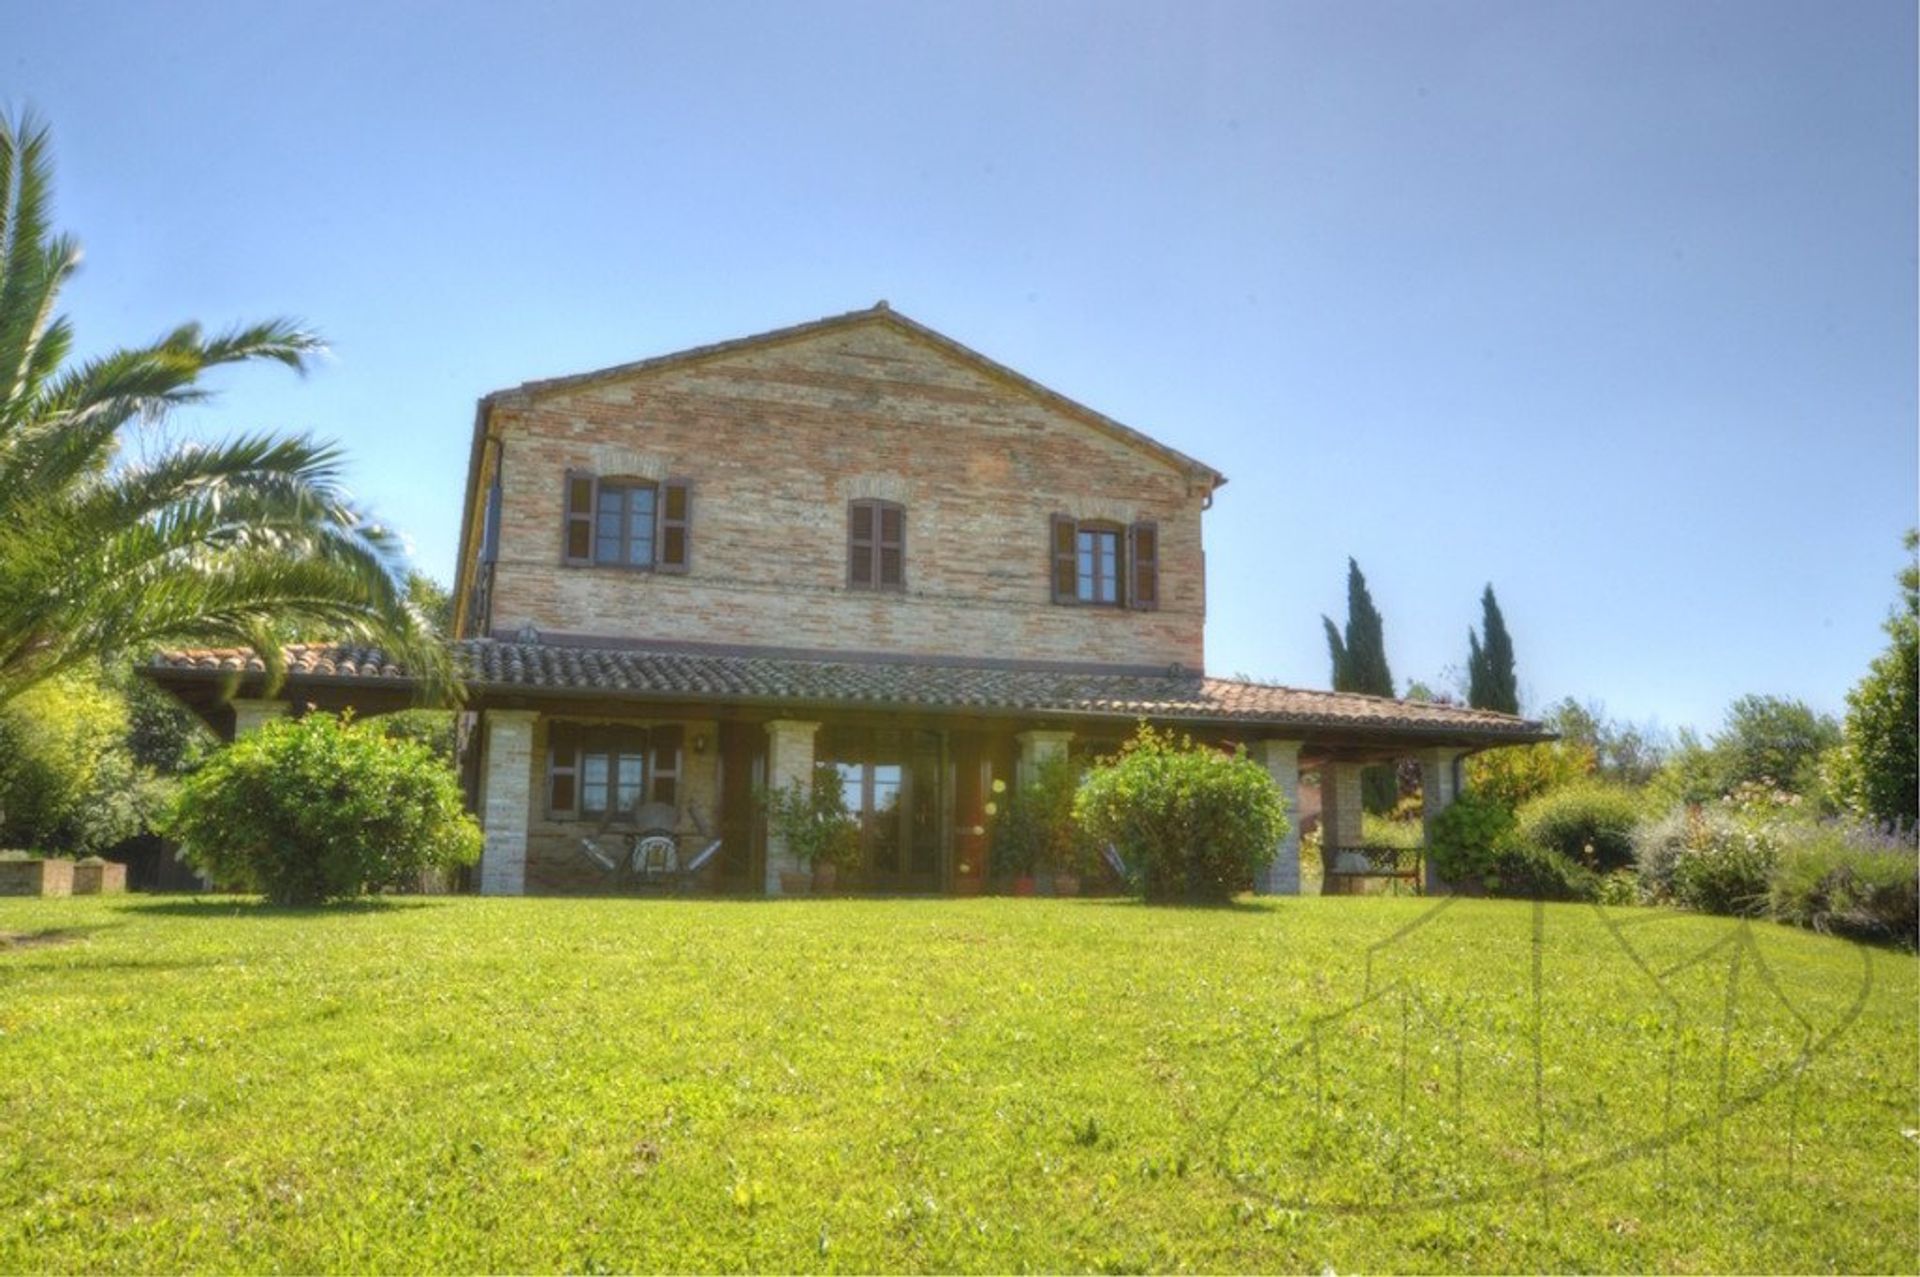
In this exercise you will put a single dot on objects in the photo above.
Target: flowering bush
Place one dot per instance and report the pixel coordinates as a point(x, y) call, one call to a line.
point(1849, 879)
point(1708, 858)
point(1197, 823)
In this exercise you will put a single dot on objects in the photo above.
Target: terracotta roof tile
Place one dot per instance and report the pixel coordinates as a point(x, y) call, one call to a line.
point(657, 673)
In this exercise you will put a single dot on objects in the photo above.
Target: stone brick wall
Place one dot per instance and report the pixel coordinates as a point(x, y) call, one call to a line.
point(776, 440)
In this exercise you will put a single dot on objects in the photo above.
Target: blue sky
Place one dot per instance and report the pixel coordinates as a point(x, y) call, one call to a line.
point(1612, 305)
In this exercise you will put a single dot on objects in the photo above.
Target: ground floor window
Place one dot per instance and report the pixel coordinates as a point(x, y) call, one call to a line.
point(597, 769)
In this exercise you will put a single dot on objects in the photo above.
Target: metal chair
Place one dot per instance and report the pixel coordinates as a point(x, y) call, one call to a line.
point(647, 854)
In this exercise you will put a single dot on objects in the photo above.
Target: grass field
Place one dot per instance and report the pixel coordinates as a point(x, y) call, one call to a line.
point(979, 1085)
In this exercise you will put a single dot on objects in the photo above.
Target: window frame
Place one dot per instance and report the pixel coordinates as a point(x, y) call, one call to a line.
point(1136, 563)
point(871, 550)
point(669, 531)
point(570, 745)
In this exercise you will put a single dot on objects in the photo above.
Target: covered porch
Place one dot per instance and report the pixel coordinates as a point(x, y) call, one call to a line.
point(562, 748)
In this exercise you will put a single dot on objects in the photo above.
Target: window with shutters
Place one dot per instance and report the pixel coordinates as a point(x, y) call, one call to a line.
point(592, 769)
point(627, 523)
point(876, 545)
point(1102, 564)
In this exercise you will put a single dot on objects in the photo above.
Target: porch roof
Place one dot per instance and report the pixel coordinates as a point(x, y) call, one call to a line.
point(641, 673)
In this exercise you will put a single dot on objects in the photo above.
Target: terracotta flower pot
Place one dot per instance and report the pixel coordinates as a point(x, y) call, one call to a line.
point(1025, 886)
point(795, 884)
point(825, 878)
point(1066, 884)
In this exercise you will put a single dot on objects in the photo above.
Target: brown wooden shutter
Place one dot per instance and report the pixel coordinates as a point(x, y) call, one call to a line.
point(663, 764)
point(576, 524)
point(563, 770)
point(861, 535)
point(675, 538)
point(890, 569)
point(1065, 559)
point(1143, 562)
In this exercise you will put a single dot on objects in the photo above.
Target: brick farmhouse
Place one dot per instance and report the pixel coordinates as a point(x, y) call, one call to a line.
point(853, 541)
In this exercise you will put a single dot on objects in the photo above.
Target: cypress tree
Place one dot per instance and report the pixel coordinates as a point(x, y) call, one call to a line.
point(1491, 680)
point(1359, 660)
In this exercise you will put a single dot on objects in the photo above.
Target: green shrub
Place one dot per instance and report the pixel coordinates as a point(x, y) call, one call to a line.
point(1621, 887)
point(1196, 823)
point(1467, 837)
point(1525, 871)
point(814, 820)
point(1591, 824)
point(322, 808)
point(1851, 881)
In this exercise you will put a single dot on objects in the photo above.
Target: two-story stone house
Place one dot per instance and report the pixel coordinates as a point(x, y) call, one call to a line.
point(853, 541)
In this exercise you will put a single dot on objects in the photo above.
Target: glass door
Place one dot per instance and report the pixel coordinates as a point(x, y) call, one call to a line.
point(891, 782)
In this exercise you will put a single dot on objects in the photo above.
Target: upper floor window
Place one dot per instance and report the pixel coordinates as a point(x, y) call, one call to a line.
point(628, 523)
point(1105, 564)
point(876, 545)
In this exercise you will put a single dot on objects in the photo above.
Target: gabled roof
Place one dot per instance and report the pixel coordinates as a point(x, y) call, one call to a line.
point(878, 313)
point(640, 673)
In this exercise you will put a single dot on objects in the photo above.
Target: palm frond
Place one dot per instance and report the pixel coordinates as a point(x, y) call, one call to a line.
point(253, 541)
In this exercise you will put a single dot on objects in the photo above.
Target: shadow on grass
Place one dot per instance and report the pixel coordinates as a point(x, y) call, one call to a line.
point(1180, 906)
point(46, 936)
point(227, 907)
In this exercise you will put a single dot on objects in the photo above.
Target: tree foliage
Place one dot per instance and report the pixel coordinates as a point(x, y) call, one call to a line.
point(100, 554)
point(1517, 774)
point(1359, 658)
point(1491, 680)
point(69, 782)
point(1878, 773)
point(1624, 752)
point(322, 808)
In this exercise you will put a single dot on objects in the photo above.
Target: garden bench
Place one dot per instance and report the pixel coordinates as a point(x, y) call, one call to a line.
point(1348, 867)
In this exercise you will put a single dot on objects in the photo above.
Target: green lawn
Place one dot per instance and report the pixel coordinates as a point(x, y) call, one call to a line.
point(979, 1085)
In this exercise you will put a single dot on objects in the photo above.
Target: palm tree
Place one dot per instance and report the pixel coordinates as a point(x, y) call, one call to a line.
point(246, 542)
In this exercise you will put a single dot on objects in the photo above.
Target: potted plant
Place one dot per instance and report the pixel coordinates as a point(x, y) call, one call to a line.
point(1015, 851)
point(817, 828)
point(1064, 849)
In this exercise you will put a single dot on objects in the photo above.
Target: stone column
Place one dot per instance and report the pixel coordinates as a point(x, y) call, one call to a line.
point(1038, 746)
point(251, 715)
point(789, 759)
point(1339, 810)
point(1281, 758)
point(1441, 780)
point(506, 792)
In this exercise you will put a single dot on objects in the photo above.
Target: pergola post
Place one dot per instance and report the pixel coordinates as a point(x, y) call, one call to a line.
point(1039, 746)
point(251, 715)
point(789, 760)
point(1339, 812)
point(506, 792)
point(1441, 781)
point(1281, 758)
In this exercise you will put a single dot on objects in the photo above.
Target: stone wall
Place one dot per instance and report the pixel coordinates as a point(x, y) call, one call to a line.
point(776, 440)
